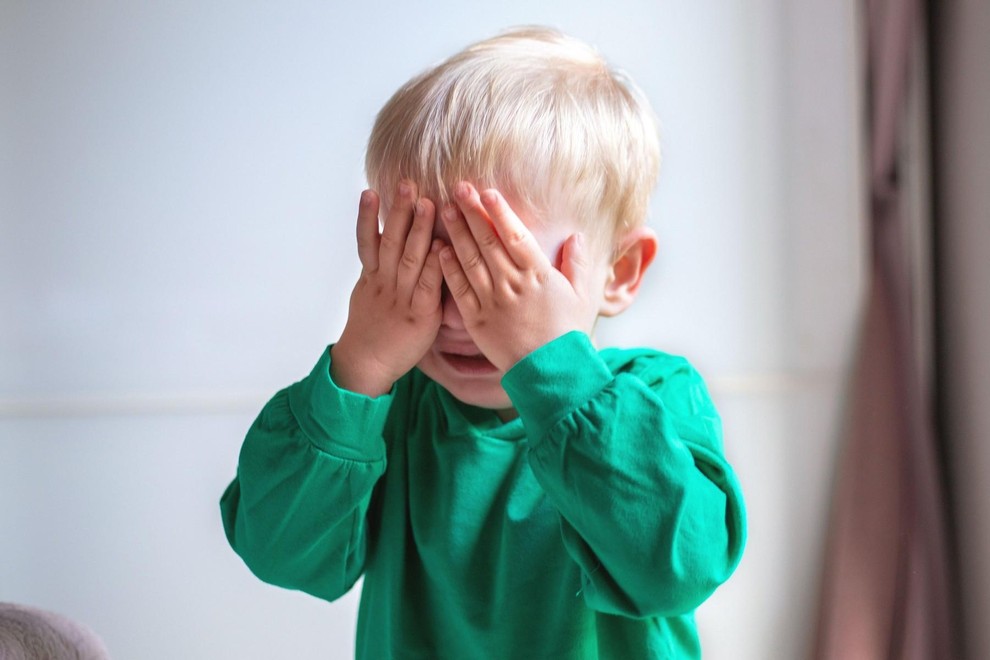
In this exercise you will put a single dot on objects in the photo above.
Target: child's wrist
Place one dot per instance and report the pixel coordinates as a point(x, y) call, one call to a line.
point(349, 371)
point(524, 349)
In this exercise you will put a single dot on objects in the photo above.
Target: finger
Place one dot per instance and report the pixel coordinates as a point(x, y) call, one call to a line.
point(367, 230)
point(487, 238)
point(417, 247)
point(518, 241)
point(457, 282)
point(574, 261)
point(426, 294)
point(393, 239)
point(466, 248)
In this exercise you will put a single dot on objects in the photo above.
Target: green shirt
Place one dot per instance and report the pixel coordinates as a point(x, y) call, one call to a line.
point(591, 526)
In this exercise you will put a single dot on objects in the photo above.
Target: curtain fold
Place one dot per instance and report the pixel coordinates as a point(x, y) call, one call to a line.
point(886, 589)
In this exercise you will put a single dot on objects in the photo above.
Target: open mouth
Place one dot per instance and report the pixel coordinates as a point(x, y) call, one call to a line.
point(469, 364)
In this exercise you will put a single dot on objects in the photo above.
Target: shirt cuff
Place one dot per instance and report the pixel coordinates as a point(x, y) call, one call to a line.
point(339, 422)
point(554, 380)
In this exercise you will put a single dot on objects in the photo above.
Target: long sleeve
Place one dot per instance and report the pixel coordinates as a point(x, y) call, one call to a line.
point(296, 511)
point(650, 510)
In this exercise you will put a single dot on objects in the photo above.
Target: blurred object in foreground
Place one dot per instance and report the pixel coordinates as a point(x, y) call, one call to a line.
point(887, 590)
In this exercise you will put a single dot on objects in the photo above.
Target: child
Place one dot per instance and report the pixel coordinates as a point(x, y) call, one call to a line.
point(505, 489)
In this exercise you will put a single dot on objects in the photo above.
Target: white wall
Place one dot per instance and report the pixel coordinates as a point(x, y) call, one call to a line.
point(177, 188)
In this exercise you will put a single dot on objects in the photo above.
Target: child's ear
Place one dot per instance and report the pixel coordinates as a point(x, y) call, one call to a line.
point(635, 255)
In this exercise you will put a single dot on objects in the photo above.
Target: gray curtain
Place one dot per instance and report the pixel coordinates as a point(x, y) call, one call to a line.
point(887, 579)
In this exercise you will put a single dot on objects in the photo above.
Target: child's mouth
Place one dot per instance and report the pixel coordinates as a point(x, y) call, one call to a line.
point(474, 365)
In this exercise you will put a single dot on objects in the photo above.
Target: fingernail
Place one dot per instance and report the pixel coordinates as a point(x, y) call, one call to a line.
point(449, 213)
point(405, 189)
point(488, 198)
point(462, 191)
point(446, 254)
point(420, 209)
point(365, 198)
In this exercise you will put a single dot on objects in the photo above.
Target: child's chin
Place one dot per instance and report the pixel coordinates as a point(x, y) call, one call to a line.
point(471, 384)
point(483, 392)
point(481, 395)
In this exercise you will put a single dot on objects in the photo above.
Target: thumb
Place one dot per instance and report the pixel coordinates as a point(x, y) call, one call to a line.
point(574, 261)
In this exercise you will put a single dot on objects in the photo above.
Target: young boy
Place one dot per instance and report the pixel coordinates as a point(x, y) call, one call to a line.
point(505, 489)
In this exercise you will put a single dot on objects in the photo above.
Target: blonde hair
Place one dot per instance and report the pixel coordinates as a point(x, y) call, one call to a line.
point(533, 111)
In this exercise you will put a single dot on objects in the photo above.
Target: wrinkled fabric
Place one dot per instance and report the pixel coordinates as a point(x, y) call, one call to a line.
point(592, 526)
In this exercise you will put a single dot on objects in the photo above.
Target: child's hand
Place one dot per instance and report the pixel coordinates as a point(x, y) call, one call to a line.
point(509, 294)
point(395, 308)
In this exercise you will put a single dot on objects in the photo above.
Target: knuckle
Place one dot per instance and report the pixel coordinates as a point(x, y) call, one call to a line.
point(513, 288)
point(425, 286)
point(490, 241)
point(388, 241)
point(371, 286)
point(517, 238)
point(409, 261)
point(473, 261)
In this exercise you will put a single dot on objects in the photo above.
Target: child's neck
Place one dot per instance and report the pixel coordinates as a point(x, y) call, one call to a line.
point(507, 414)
